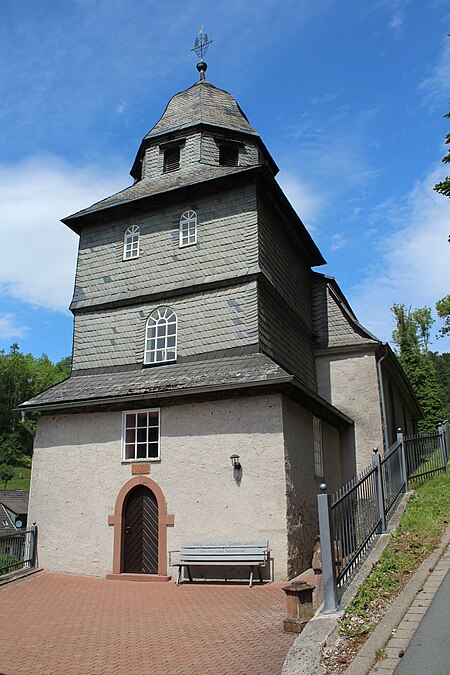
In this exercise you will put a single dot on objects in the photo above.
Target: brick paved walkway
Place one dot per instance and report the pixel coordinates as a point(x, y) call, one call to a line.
point(55, 624)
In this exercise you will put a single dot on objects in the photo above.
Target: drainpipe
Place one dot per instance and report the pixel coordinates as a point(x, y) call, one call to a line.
point(25, 423)
point(383, 403)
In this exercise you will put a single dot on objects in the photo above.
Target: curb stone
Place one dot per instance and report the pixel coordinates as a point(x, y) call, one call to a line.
point(365, 658)
point(21, 574)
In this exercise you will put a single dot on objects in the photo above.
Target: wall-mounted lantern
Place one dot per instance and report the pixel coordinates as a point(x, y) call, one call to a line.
point(235, 462)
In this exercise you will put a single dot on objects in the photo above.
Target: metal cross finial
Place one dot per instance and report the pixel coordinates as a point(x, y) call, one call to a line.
point(201, 45)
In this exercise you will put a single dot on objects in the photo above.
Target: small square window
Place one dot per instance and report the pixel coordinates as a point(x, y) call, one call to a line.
point(141, 435)
point(228, 155)
point(171, 159)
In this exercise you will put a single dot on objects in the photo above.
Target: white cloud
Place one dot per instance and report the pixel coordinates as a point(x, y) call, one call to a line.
point(9, 328)
point(338, 241)
point(38, 255)
point(307, 203)
point(397, 14)
point(435, 87)
point(412, 263)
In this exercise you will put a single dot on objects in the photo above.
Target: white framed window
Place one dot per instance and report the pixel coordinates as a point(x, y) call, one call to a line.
point(188, 228)
point(140, 435)
point(318, 447)
point(131, 243)
point(161, 336)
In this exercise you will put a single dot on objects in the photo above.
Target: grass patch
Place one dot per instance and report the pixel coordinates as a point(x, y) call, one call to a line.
point(418, 533)
point(21, 480)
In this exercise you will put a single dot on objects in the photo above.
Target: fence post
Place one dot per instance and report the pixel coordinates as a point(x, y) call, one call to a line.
point(380, 492)
point(443, 445)
point(32, 553)
point(330, 599)
point(402, 458)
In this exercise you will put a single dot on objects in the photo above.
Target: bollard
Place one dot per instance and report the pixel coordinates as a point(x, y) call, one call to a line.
point(299, 606)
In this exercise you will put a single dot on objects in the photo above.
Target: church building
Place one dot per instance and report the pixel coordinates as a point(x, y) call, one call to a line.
point(202, 333)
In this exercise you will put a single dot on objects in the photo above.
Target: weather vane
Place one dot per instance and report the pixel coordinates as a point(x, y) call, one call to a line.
point(201, 45)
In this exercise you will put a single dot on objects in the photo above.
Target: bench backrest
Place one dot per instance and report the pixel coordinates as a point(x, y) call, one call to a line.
point(225, 552)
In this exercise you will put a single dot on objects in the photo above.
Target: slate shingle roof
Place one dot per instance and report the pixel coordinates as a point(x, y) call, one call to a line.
point(335, 323)
point(202, 104)
point(165, 183)
point(6, 524)
point(218, 373)
point(15, 500)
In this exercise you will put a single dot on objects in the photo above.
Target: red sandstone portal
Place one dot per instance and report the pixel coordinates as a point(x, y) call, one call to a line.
point(118, 521)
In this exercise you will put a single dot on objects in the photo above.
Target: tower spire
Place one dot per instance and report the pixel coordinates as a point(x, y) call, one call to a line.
point(201, 45)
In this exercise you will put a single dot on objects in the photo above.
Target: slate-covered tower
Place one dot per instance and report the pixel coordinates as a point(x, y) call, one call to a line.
point(194, 340)
point(215, 240)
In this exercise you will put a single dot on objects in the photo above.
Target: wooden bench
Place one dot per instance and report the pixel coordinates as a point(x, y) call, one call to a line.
point(251, 554)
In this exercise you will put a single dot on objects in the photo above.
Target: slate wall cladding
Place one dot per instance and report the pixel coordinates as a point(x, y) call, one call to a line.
point(284, 336)
point(227, 243)
point(284, 261)
point(197, 147)
point(207, 321)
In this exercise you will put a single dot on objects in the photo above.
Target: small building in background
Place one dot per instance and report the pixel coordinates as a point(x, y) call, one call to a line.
point(13, 510)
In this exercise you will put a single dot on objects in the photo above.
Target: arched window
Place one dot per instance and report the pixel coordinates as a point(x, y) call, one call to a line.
point(131, 243)
point(161, 336)
point(188, 228)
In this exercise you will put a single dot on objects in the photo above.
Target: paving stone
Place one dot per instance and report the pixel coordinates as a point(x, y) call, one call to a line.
point(76, 625)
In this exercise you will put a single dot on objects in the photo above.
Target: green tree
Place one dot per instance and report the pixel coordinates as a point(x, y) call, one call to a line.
point(442, 367)
point(423, 320)
point(411, 338)
point(443, 312)
point(21, 377)
point(444, 186)
point(6, 474)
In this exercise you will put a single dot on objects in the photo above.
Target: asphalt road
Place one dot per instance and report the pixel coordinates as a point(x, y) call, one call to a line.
point(429, 650)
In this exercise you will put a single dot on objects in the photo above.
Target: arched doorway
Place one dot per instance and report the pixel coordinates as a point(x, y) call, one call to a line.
point(118, 520)
point(141, 522)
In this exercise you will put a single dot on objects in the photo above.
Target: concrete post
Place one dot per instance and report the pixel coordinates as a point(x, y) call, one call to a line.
point(380, 491)
point(402, 458)
point(330, 600)
point(443, 445)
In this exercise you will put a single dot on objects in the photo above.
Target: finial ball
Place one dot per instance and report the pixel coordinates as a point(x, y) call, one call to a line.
point(201, 66)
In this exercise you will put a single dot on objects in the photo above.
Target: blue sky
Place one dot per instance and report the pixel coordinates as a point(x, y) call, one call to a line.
point(349, 98)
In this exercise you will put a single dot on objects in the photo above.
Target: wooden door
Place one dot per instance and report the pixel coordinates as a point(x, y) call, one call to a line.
point(141, 532)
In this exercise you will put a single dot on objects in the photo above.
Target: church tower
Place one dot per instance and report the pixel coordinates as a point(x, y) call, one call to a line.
point(194, 340)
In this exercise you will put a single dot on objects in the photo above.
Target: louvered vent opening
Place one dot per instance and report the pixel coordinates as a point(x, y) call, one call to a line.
point(228, 155)
point(171, 159)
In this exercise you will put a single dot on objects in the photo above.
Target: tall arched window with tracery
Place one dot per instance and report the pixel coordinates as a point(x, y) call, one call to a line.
point(131, 243)
point(161, 336)
point(188, 228)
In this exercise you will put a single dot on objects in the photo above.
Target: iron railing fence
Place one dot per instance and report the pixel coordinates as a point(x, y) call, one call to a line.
point(394, 477)
point(425, 455)
point(351, 519)
point(354, 521)
point(17, 550)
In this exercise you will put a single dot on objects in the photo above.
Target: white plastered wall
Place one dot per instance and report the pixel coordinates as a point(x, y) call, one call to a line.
point(302, 484)
point(77, 474)
point(350, 383)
